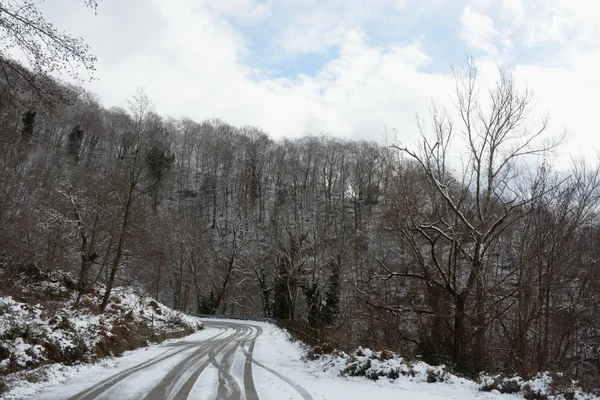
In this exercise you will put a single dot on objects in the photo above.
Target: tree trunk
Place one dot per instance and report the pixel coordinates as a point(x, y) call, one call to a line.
point(479, 345)
point(459, 318)
point(221, 293)
point(119, 251)
point(86, 264)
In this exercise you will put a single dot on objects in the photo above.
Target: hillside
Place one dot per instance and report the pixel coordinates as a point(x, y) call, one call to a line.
point(39, 326)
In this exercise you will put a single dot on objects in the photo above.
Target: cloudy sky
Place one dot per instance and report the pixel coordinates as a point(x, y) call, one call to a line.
point(350, 68)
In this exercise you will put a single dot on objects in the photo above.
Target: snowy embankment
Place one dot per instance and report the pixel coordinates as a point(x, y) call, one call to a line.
point(384, 375)
point(39, 326)
point(325, 377)
point(385, 366)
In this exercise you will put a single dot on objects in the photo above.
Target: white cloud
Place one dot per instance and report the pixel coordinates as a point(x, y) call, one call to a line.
point(569, 97)
point(478, 31)
point(313, 37)
point(400, 4)
point(563, 74)
point(195, 67)
point(543, 22)
point(514, 9)
point(316, 26)
point(192, 62)
point(244, 11)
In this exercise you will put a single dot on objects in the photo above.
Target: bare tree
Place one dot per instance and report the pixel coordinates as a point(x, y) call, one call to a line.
point(132, 148)
point(47, 51)
point(466, 212)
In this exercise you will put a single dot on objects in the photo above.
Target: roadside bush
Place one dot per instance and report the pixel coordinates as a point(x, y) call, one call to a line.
point(375, 365)
point(316, 352)
point(3, 386)
point(542, 386)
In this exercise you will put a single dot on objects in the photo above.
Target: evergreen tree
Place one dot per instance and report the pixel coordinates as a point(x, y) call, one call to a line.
point(158, 161)
point(282, 306)
point(331, 305)
point(207, 303)
point(75, 142)
point(28, 124)
point(312, 293)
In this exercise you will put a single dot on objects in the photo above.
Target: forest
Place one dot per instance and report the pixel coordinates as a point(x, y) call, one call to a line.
point(470, 249)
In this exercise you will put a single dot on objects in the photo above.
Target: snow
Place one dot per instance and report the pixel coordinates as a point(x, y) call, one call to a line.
point(34, 336)
point(71, 328)
point(280, 372)
point(273, 348)
point(323, 378)
point(205, 388)
point(64, 381)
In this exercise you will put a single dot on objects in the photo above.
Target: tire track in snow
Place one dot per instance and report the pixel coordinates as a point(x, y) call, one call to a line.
point(249, 386)
point(99, 388)
point(186, 388)
point(179, 382)
point(250, 359)
point(228, 386)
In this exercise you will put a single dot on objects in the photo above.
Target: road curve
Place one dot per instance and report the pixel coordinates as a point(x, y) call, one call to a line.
point(178, 373)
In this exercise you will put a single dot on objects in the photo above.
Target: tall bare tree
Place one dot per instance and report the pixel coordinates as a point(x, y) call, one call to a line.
point(454, 236)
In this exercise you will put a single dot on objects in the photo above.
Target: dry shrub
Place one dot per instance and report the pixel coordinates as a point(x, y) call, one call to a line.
point(65, 324)
point(69, 283)
point(358, 367)
point(431, 376)
point(3, 386)
point(386, 355)
point(317, 351)
point(88, 304)
point(155, 307)
point(531, 394)
point(68, 355)
point(561, 386)
point(501, 383)
point(115, 309)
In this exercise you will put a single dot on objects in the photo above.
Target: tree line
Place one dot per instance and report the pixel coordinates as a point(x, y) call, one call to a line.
point(469, 249)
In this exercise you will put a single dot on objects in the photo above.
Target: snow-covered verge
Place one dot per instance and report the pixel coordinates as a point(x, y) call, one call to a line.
point(385, 365)
point(39, 326)
point(544, 385)
point(278, 372)
point(324, 380)
point(59, 381)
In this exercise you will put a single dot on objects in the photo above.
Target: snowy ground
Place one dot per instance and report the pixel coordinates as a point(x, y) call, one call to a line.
point(65, 381)
point(41, 330)
point(277, 372)
point(67, 326)
point(274, 349)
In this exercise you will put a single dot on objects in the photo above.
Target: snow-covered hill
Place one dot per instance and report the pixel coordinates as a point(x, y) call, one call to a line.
point(40, 326)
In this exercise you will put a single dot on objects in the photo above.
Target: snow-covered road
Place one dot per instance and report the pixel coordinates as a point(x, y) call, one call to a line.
point(232, 360)
point(216, 362)
point(177, 373)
